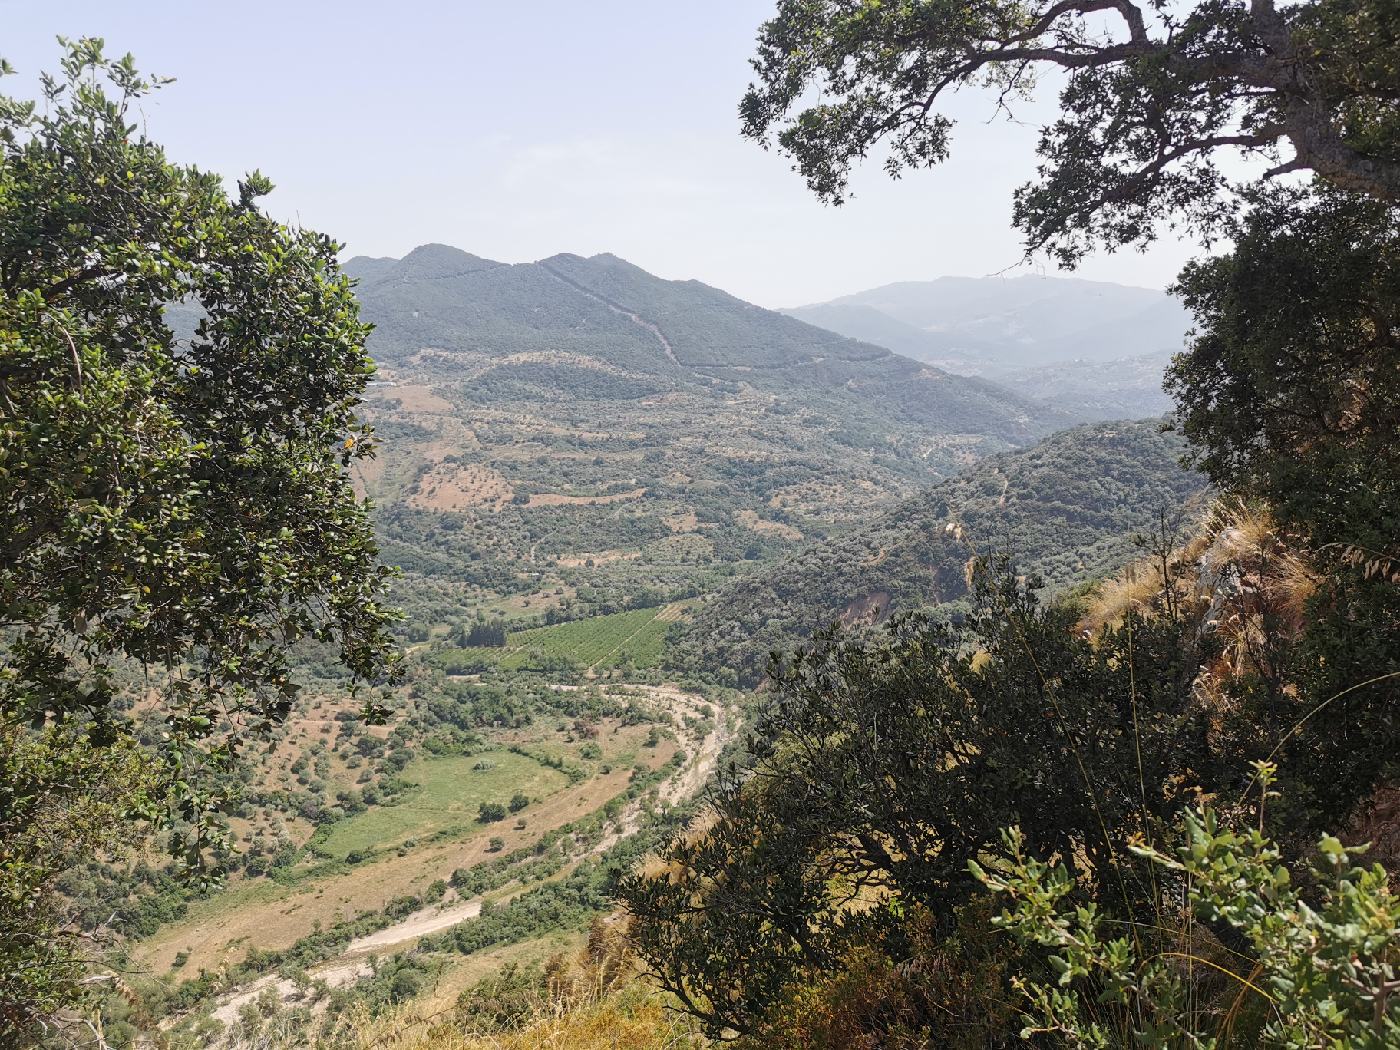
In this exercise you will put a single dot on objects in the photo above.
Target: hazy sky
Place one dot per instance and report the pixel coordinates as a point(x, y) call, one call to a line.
point(519, 130)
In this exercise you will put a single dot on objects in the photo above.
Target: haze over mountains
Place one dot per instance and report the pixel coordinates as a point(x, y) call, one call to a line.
point(582, 429)
point(1093, 349)
point(608, 430)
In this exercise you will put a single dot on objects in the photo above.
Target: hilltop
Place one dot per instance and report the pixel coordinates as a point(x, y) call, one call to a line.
point(438, 309)
point(570, 433)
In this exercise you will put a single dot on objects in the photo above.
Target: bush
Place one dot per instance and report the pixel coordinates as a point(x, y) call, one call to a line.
point(1319, 974)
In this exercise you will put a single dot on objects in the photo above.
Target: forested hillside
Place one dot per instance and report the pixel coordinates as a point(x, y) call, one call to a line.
point(441, 653)
point(439, 311)
point(576, 436)
point(1065, 510)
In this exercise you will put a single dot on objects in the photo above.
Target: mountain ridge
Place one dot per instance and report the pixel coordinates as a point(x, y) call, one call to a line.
point(666, 333)
point(1064, 509)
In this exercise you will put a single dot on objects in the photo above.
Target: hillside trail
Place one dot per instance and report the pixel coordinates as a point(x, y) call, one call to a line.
point(355, 961)
point(617, 308)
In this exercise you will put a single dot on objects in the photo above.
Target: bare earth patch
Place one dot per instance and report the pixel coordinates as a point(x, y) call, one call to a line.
point(873, 608)
point(750, 520)
point(417, 399)
point(682, 521)
point(574, 561)
point(455, 486)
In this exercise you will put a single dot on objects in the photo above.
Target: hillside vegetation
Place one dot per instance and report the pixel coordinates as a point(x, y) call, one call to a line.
point(576, 437)
point(753, 685)
point(1066, 510)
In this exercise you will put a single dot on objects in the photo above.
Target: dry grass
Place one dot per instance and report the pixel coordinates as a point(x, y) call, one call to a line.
point(559, 499)
point(591, 999)
point(1237, 577)
point(751, 521)
point(634, 1019)
point(452, 487)
point(1137, 588)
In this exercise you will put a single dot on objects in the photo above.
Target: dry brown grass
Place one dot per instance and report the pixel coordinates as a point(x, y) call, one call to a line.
point(559, 499)
point(591, 999)
point(631, 1020)
point(1236, 576)
point(751, 521)
point(454, 487)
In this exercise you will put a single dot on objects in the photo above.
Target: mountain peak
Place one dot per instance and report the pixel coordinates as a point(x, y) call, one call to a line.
point(435, 259)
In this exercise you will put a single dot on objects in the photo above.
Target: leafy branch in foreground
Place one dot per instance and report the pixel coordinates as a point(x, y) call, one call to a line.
point(1320, 966)
point(179, 376)
point(1152, 94)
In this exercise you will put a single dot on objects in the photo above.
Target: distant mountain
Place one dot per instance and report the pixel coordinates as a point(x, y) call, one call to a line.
point(438, 309)
point(1064, 509)
point(572, 433)
point(961, 354)
point(992, 325)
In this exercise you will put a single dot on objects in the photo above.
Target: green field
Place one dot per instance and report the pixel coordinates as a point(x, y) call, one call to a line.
point(599, 642)
point(446, 796)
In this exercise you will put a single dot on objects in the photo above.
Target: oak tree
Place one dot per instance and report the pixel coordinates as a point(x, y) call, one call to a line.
point(1152, 95)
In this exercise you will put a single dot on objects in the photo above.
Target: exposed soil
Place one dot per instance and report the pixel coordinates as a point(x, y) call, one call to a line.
point(750, 520)
point(557, 499)
point(455, 486)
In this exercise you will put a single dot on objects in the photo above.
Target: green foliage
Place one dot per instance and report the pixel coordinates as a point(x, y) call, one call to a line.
point(600, 641)
point(883, 766)
point(1289, 394)
point(1066, 507)
point(486, 634)
point(442, 795)
point(61, 796)
point(173, 506)
point(1149, 97)
point(921, 987)
point(1289, 390)
point(1319, 969)
point(892, 763)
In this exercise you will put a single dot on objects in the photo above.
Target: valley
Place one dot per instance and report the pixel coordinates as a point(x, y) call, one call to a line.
point(608, 497)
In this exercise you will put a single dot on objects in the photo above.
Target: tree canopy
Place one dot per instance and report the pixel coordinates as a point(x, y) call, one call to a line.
point(1152, 95)
point(179, 375)
point(882, 768)
point(1290, 389)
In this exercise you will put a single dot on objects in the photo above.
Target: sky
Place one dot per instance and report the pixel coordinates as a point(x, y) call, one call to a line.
point(520, 130)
